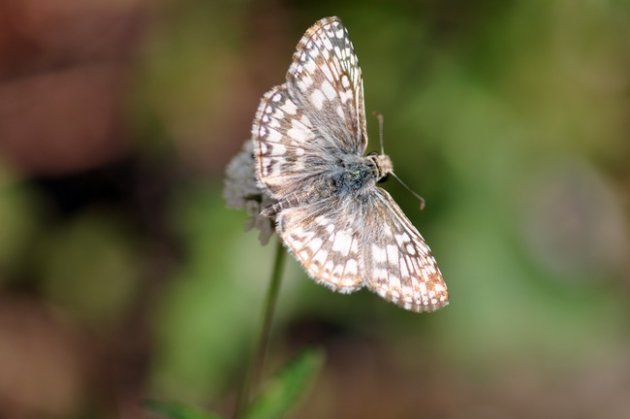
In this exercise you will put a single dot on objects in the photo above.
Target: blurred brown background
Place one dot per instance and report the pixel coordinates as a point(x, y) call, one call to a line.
point(123, 277)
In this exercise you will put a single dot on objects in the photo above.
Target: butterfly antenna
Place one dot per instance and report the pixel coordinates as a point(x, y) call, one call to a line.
point(414, 193)
point(380, 118)
point(420, 199)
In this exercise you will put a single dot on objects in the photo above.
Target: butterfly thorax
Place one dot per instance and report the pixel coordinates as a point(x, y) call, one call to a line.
point(353, 175)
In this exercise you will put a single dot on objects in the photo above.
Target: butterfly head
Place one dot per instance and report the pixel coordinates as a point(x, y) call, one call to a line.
point(382, 165)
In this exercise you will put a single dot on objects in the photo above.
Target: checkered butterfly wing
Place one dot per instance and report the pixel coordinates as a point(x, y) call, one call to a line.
point(398, 263)
point(301, 126)
point(346, 244)
point(325, 79)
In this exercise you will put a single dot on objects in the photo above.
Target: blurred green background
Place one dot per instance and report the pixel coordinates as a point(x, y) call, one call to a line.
point(124, 277)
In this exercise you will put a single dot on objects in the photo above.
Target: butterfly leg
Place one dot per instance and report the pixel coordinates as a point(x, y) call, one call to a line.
point(289, 201)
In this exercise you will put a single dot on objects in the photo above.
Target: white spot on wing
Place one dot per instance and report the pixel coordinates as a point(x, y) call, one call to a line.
point(297, 134)
point(329, 91)
point(351, 267)
point(340, 113)
point(279, 149)
point(317, 99)
point(402, 238)
point(315, 244)
point(320, 257)
point(378, 254)
point(392, 253)
point(289, 107)
point(342, 243)
point(274, 136)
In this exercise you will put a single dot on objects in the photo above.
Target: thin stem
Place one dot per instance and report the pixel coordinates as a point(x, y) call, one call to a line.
point(255, 367)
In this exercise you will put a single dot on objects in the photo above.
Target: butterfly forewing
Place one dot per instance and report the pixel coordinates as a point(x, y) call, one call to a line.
point(325, 78)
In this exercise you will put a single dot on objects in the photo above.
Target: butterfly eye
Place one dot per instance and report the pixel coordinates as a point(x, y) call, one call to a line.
point(383, 179)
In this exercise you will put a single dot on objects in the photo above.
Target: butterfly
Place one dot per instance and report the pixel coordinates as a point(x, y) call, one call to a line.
point(309, 136)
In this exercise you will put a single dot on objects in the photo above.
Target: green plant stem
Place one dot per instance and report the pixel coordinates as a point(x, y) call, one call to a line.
point(255, 367)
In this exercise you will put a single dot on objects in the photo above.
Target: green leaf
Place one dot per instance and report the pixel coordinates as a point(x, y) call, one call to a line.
point(286, 387)
point(178, 411)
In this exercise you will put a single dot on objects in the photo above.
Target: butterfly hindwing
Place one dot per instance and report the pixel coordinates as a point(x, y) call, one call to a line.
point(284, 141)
point(398, 263)
point(346, 244)
point(325, 244)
